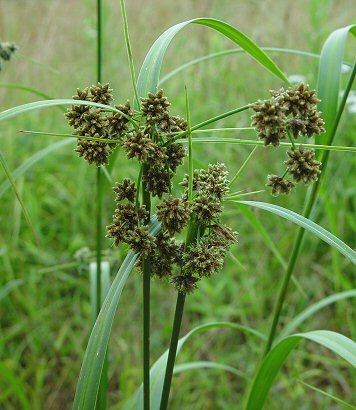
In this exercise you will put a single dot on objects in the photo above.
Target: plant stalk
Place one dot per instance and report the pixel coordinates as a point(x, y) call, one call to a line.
point(178, 315)
point(311, 199)
point(101, 402)
point(146, 290)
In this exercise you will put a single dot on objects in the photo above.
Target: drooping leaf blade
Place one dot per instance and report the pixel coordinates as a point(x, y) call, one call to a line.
point(150, 71)
point(275, 359)
point(314, 308)
point(307, 224)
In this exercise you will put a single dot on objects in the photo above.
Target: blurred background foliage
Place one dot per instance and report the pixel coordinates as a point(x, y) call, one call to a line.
point(44, 292)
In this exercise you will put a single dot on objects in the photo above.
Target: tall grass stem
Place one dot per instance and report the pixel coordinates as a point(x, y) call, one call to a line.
point(178, 315)
point(146, 292)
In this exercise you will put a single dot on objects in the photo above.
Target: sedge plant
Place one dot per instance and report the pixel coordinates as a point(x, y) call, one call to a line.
point(175, 230)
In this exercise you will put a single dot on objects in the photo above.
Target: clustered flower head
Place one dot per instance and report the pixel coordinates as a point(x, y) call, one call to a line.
point(7, 50)
point(149, 137)
point(290, 112)
point(96, 123)
point(302, 165)
point(181, 263)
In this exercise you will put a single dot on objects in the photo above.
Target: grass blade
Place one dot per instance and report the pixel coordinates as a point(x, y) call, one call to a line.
point(331, 61)
point(30, 162)
point(150, 71)
point(180, 368)
point(307, 224)
point(7, 376)
point(18, 196)
point(159, 367)
point(233, 51)
point(94, 358)
point(22, 87)
point(275, 359)
point(20, 109)
point(330, 396)
point(311, 310)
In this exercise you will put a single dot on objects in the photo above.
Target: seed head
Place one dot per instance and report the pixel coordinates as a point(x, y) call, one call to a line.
point(298, 100)
point(139, 145)
point(141, 241)
point(314, 124)
point(172, 124)
point(7, 50)
point(205, 257)
point(129, 215)
point(173, 213)
point(95, 152)
point(214, 181)
point(279, 185)
point(125, 190)
point(157, 181)
point(117, 123)
point(269, 121)
point(302, 165)
point(206, 207)
point(175, 155)
point(155, 108)
point(101, 93)
point(185, 283)
point(167, 252)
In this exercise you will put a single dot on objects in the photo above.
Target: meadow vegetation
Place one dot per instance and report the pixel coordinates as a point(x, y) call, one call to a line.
point(45, 309)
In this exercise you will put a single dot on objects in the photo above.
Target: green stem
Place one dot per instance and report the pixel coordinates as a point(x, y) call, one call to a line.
point(307, 211)
point(129, 51)
point(200, 140)
point(102, 393)
point(210, 121)
point(146, 290)
point(220, 117)
point(243, 165)
point(178, 315)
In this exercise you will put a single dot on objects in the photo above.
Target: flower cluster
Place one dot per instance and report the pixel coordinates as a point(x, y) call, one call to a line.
point(7, 50)
point(293, 110)
point(149, 137)
point(290, 112)
point(96, 123)
point(182, 264)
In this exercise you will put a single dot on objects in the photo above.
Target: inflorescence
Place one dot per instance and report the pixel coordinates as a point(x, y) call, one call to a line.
point(149, 136)
point(292, 112)
point(7, 50)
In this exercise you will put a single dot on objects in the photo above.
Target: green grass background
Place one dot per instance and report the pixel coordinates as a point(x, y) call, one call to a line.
point(44, 292)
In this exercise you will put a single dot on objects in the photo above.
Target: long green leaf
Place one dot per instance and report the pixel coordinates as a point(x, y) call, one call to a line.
point(330, 69)
point(159, 367)
point(20, 109)
point(22, 87)
point(150, 71)
point(180, 368)
point(275, 359)
point(232, 51)
point(30, 162)
point(311, 310)
point(94, 358)
point(307, 224)
point(330, 396)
